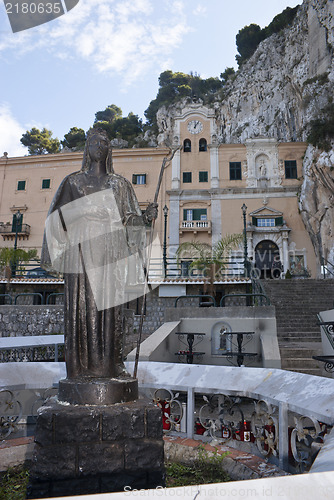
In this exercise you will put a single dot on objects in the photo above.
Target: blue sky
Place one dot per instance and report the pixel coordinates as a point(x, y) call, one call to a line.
point(111, 52)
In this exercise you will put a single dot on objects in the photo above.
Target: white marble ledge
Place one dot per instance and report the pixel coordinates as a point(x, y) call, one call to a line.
point(33, 341)
point(31, 375)
point(301, 486)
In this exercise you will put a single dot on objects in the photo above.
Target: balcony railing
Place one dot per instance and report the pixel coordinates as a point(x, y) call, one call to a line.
point(195, 225)
point(7, 231)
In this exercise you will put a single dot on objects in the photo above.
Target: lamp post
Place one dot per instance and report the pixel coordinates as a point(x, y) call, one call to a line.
point(165, 210)
point(244, 212)
point(18, 222)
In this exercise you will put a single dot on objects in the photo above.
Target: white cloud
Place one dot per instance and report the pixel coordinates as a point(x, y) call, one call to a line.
point(123, 37)
point(200, 10)
point(11, 133)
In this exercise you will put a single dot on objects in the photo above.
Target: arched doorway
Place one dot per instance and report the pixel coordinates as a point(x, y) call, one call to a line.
point(267, 259)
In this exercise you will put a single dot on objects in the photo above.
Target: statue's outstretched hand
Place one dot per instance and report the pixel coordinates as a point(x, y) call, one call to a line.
point(151, 212)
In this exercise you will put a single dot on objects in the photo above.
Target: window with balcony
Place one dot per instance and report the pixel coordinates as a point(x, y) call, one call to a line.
point(21, 185)
point(290, 169)
point(187, 146)
point(139, 179)
point(203, 176)
point(203, 146)
point(235, 170)
point(46, 183)
point(195, 219)
point(187, 177)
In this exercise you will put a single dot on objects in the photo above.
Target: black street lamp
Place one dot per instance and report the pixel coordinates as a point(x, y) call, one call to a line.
point(165, 210)
point(18, 223)
point(244, 212)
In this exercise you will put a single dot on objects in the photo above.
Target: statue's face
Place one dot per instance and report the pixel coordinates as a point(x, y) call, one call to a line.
point(98, 148)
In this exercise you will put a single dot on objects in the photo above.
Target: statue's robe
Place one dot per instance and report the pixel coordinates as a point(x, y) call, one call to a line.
point(95, 236)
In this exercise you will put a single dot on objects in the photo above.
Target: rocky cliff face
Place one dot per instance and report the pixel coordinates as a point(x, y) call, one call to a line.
point(317, 201)
point(286, 83)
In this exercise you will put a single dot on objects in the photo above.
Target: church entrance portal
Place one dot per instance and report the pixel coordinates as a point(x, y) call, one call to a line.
point(267, 259)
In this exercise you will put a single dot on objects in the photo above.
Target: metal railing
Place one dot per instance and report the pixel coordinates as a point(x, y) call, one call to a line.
point(211, 402)
point(6, 297)
point(32, 294)
point(13, 300)
point(53, 296)
point(327, 268)
point(263, 299)
point(232, 267)
point(258, 291)
point(328, 329)
point(213, 303)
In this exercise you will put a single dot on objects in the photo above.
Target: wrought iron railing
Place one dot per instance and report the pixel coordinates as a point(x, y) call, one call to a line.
point(29, 298)
point(327, 268)
point(328, 329)
point(282, 429)
point(232, 267)
point(201, 303)
point(6, 299)
point(255, 299)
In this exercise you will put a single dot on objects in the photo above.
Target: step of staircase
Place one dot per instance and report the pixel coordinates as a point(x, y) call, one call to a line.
point(300, 363)
point(297, 338)
point(308, 349)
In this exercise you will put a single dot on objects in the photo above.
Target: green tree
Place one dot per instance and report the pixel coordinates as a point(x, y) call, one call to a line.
point(40, 142)
point(249, 37)
point(74, 139)
point(110, 114)
point(209, 260)
point(128, 128)
point(281, 21)
point(247, 40)
point(321, 130)
point(10, 256)
point(118, 127)
point(175, 86)
point(227, 74)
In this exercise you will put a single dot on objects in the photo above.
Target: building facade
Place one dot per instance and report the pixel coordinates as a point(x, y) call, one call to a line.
point(203, 188)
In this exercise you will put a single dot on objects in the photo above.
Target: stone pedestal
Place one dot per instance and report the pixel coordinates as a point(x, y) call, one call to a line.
point(86, 449)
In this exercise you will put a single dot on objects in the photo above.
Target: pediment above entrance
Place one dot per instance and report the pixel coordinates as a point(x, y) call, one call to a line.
point(265, 212)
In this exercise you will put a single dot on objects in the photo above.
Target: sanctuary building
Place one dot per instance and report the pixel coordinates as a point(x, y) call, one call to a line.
point(204, 189)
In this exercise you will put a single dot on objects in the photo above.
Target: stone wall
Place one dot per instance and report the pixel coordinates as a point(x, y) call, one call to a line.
point(25, 320)
point(16, 321)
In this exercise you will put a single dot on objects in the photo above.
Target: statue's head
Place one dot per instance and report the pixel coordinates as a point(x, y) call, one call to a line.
point(97, 147)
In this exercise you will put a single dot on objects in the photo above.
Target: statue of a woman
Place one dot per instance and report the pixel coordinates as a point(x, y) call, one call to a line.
point(95, 236)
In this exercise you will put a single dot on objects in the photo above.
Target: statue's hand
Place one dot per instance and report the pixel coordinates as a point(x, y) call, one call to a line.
point(151, 212)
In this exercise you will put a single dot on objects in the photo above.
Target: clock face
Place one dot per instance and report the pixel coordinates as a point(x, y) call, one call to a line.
point(195, 126)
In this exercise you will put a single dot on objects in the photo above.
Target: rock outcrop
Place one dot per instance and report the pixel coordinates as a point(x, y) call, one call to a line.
point(276, 93)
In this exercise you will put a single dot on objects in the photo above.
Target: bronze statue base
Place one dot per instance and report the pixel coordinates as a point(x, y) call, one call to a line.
point(98, 391)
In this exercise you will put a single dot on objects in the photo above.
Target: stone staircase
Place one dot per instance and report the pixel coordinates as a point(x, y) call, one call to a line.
point(297, 303)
